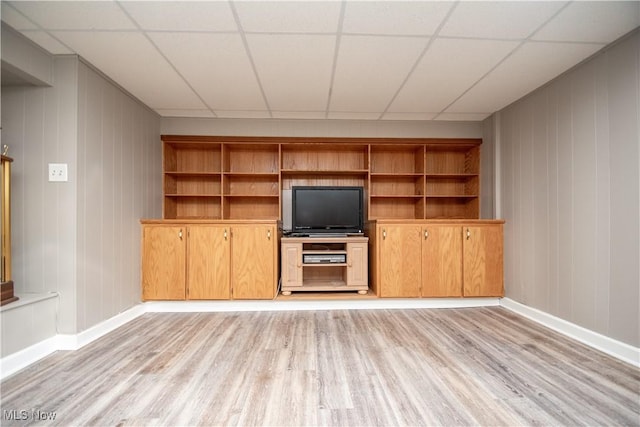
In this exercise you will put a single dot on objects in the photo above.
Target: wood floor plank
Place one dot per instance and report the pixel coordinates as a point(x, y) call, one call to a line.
point(474, 366)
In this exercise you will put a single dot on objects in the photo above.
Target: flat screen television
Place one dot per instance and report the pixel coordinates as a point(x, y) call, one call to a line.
point(323, 209)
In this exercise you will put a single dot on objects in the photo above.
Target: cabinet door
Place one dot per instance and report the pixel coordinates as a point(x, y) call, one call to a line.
point(253, 258)
point(357, 264)
point(483, 261)
point(291, 264)
point(163, 263)
point(399, 260)
point(209, 262)
point(442, 261)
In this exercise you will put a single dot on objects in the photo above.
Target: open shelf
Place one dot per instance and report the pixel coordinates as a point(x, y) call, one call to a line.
point(244, 177)
point(251, 207)
point(251, 158)
point(396, 207)
point(193, 157)
point(397, 159)
point(455, 207)
point(397, 185)
point(330, 158)
point(192, 207)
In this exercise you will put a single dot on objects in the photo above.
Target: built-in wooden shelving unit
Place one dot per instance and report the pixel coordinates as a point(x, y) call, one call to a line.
point(244, 177)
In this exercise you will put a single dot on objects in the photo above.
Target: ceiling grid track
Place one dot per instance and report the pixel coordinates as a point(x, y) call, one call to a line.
point(155, 46)
point(243, 36)
point(335, 56)
point(419, 59)
point(499, 63)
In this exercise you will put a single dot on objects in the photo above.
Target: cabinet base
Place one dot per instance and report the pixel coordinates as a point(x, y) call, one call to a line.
point(307, 289)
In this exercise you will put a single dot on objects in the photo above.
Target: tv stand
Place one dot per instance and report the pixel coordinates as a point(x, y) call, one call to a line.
point(324, 273)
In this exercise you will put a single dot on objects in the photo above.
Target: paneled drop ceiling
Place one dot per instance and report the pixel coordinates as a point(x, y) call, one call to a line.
point(374, 60)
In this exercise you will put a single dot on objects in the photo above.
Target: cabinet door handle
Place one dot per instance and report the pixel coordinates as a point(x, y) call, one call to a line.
point(426, 234)
point(268, 234)
point(384, 234)
point(180, 234)
point(225, 234)
point(468, 234)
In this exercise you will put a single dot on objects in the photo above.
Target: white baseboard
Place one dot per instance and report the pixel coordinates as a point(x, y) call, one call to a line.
point(21, 359)
point(301, 305)
point(617, 349)
point(79, 340)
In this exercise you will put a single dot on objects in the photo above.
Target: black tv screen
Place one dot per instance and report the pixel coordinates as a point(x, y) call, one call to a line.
point(327, 209)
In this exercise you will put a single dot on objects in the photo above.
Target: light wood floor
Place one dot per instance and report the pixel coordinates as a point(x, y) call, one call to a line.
point(478, 366)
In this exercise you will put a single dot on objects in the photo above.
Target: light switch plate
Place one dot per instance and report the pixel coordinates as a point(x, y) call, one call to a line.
point(58, 172)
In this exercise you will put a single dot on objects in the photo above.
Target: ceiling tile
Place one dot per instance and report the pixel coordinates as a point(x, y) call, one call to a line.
point(182, 15)
point(394, 17)
point(370, 70)
point(294, 70)
point(146, 74)
point(288, 16)
point(499, 19)
point(447, 70)
point(76, 15)
point(596, 21)
point(528, 68)
point(221, 73)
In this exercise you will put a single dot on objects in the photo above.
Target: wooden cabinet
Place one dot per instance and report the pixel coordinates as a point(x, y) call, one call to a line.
point(357, 264)
point(483, 260)
point(438, 259)
point(421, 193)
point(208, 261)
point(306, 265)
point(254, 262)
point(164, 254)
point(399, 260)
point(291, 268)
point(442, 261)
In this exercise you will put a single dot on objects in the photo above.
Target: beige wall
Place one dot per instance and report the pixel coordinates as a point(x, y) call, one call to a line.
point(81, 238)
point(569, 184)
point(119, 182)
point(25, 59)
point(39, 125)
point(322, 128)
